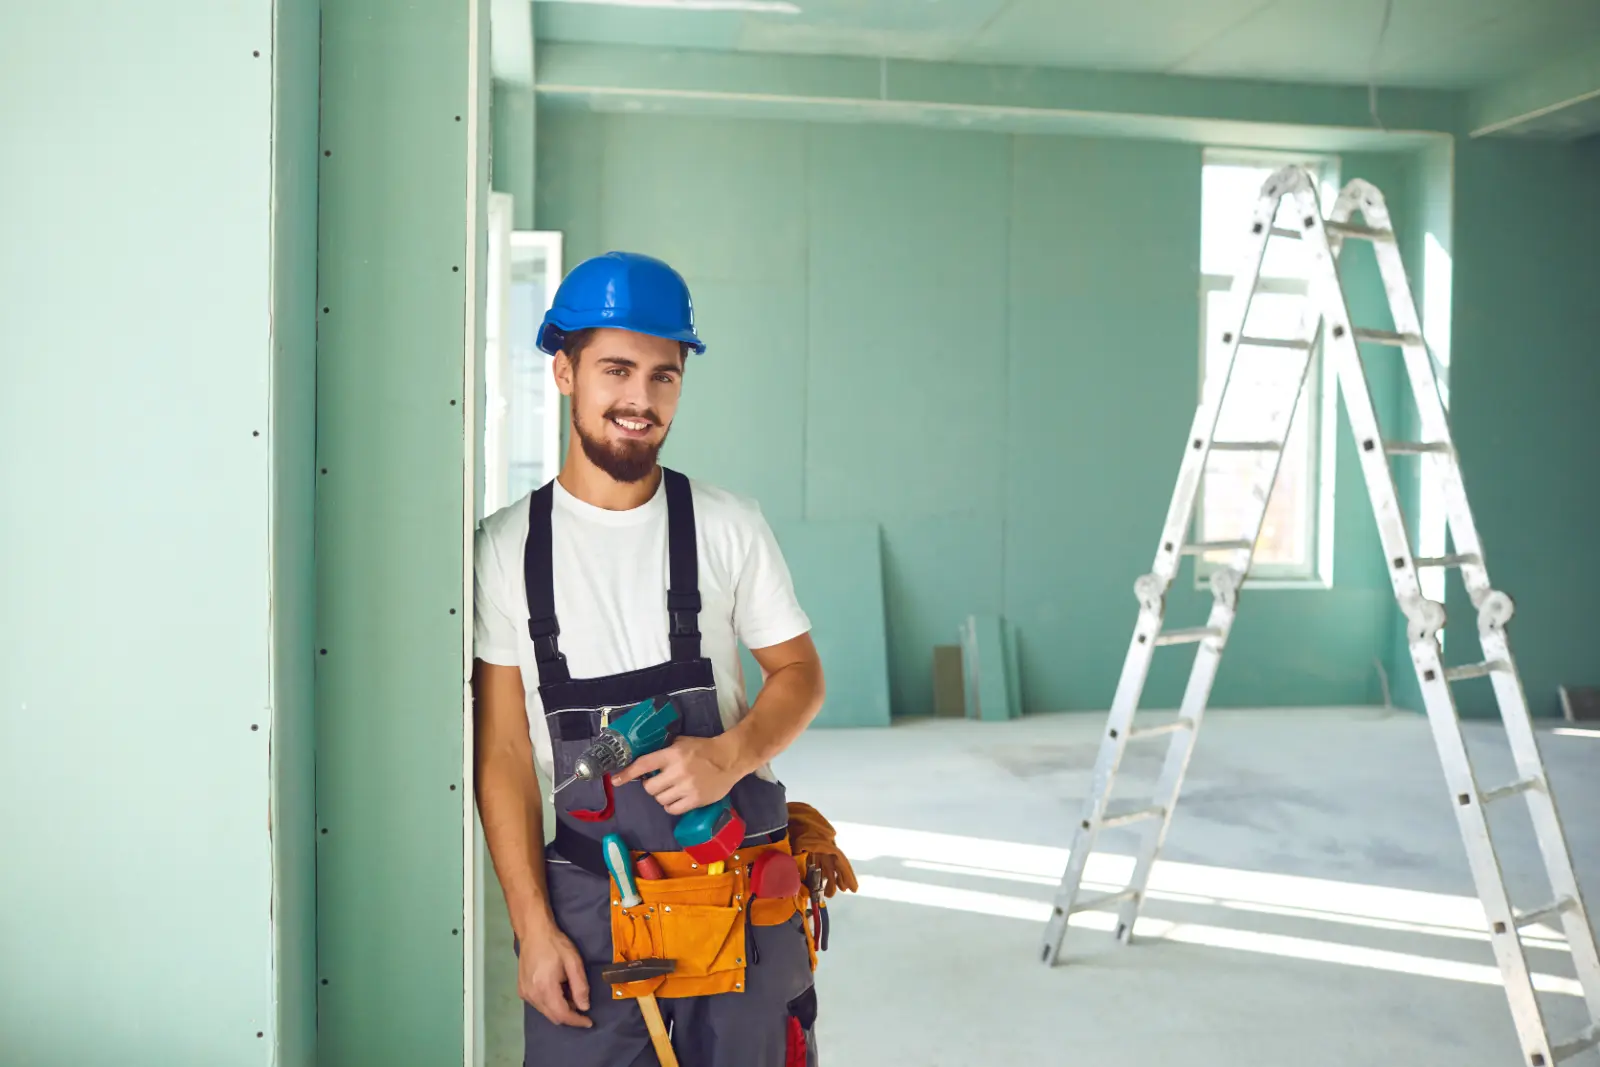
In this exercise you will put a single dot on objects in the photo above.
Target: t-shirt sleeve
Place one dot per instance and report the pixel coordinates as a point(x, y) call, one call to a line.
point(494, 629)
point(765, 609)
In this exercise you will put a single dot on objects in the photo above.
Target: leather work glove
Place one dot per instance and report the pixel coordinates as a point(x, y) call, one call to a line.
point(810, 832)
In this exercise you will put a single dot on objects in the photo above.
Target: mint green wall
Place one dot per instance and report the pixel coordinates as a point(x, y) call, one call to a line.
point(153, 361)
point(1431, 195)
point(397, 261)
point(296, 53)
point(513, 116)
point(1525, 381)
point(988, 344)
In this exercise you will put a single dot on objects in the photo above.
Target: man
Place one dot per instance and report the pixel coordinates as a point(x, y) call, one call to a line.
point(616, 583)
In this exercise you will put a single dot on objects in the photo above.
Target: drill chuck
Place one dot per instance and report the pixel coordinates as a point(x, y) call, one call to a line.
point(608, 755)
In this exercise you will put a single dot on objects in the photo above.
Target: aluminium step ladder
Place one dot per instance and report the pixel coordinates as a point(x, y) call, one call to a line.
point(1326, 321)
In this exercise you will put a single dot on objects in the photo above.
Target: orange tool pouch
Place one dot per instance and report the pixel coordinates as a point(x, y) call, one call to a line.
point(698, 920)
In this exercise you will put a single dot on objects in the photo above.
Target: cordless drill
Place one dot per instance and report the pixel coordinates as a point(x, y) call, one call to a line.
point(642, 729)
point(709, 834)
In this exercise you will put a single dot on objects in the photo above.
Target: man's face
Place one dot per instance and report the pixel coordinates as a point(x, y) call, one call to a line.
point(624, 389)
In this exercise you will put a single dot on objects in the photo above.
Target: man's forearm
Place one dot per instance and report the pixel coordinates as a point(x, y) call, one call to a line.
point(790, 698)
point(513, 825)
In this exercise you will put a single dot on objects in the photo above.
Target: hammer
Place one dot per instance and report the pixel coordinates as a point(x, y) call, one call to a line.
point(643, 971)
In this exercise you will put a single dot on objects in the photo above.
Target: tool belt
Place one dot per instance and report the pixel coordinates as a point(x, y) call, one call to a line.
point(698, 920)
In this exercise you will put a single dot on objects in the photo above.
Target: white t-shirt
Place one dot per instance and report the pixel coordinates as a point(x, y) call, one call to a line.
point(611, 594)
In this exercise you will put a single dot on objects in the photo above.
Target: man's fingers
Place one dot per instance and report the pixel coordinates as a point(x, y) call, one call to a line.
point(639, 767)
point(675, 798)
point(551, 1002)
point(577, 978)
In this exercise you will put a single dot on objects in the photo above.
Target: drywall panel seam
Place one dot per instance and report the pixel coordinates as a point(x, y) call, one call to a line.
point(1013, 146)
point(472, 1054)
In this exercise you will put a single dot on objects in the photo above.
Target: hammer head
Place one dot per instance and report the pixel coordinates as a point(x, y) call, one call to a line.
point(637, 971)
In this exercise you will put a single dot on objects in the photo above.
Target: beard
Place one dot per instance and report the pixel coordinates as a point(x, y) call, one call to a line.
point(624, 461)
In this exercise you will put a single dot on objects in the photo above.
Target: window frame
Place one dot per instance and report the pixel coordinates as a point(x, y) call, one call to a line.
point(1320, 398)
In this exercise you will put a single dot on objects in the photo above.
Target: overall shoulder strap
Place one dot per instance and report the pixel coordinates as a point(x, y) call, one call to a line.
point(538, 577)
point(683, 569)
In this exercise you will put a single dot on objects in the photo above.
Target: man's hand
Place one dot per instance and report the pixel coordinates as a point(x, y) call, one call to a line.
point(548, 968)
point(693, 772)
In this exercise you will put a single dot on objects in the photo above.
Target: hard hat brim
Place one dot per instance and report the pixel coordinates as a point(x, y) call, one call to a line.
point(552, 333)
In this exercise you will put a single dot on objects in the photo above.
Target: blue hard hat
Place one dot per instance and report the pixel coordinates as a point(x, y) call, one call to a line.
point(626, 291)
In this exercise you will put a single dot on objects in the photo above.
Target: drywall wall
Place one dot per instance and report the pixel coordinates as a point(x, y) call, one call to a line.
point(156, 532)
point(987, 344)
point(513, 116)
point(1524, 380)
point(296, 46)
point(400, 264)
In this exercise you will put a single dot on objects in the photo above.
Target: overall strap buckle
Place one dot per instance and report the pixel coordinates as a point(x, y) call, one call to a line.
point(545, 648)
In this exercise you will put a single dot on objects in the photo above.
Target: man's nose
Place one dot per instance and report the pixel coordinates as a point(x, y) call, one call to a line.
point(636, 393)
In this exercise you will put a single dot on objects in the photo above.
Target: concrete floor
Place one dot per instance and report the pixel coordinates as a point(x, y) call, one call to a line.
point(1313, 905)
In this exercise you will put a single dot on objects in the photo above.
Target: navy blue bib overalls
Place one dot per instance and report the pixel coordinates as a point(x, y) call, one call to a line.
point(739, 1029)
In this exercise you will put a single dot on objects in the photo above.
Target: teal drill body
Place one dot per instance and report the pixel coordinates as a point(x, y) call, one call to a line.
point(709, 833)
point(639, 731)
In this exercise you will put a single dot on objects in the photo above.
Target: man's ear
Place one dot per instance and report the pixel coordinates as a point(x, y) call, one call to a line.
point(564, 371)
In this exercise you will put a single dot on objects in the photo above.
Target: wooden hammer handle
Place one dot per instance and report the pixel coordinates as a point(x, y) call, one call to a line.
point(658, 1030)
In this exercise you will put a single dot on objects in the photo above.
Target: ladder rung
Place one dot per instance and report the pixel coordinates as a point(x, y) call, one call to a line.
point(1111, 821)
point(1202, 547)
point(1414, 448)
point(1100, 902)
point(1585, 1041)
point(1144, 733)
point(1468, 559)
point(1187, 637)
point(1246, 446)
point(1283, 231)
point(1501, 792)
point(1276, 342)
point(1539, 915)
point(1473, 670)
point(1387, 337)
point(1350, 229)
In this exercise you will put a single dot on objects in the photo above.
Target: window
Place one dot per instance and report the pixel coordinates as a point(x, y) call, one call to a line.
point(1294, 546)
point(522, 416)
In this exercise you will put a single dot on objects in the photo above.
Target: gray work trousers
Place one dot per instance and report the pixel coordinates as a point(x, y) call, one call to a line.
point(748, 1029)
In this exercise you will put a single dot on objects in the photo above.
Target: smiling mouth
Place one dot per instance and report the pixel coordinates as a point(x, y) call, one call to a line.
point(632, 427)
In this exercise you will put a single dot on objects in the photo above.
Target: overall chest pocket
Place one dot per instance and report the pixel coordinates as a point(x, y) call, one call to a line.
point(571, 734)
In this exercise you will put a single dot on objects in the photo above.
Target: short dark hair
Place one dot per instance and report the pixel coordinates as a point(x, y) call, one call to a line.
point(575, 342)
